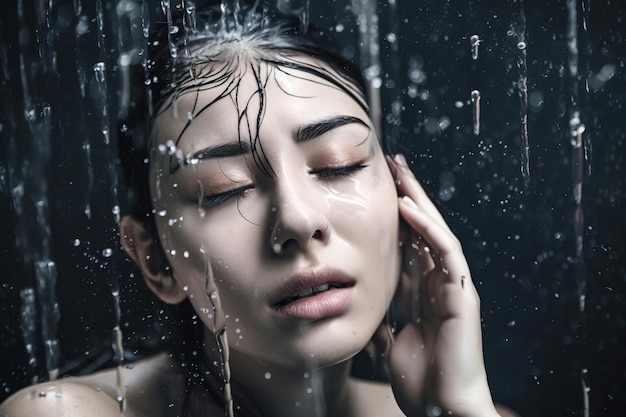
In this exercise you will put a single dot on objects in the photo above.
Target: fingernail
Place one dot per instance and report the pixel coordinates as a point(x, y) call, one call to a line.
point(407, 200)
point(401, 160)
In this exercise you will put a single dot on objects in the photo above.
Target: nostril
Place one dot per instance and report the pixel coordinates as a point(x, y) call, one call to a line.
point(317, 234)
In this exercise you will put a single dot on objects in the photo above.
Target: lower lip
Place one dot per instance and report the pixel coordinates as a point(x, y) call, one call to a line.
point(328, 303)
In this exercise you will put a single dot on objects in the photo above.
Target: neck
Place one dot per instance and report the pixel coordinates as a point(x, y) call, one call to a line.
point(262, 389)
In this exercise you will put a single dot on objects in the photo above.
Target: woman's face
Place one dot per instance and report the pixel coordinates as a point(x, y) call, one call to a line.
point(305, 254)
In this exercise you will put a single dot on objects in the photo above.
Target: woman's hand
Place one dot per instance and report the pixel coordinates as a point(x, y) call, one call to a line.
point(436, 361)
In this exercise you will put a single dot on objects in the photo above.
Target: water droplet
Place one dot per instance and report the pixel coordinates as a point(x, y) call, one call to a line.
point(268, 375)
point(107, 252)
point(521, 45)
point(433, 411)
point(76, 242)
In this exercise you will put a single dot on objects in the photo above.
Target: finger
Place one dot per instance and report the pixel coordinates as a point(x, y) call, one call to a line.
point(448, 253)
point(408, 185)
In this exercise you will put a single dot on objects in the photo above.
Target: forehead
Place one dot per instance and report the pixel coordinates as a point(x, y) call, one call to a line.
point(226, 93)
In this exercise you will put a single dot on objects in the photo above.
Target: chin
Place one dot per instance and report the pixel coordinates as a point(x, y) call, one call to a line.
point(333, 342)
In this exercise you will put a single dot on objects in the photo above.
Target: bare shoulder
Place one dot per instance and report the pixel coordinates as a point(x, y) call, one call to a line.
point(154, 387)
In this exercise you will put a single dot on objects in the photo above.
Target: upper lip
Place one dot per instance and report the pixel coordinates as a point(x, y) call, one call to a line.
point(311, 280)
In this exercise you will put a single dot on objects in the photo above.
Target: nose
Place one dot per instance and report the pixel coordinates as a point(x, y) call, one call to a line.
point(299, 219)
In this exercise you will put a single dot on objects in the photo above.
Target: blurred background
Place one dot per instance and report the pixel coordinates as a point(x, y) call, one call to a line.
point(554, 317)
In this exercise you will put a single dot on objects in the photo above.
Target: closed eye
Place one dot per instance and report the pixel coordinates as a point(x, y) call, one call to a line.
point(330, 173)
point(214, 200)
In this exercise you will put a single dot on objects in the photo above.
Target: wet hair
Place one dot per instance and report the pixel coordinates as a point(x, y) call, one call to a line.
point(209, 57)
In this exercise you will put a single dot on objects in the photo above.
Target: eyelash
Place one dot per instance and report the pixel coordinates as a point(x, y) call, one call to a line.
point(324, 174)
point(338, 172)
point(221, 198)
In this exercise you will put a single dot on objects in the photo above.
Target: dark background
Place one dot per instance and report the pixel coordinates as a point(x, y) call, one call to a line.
point(520, 241)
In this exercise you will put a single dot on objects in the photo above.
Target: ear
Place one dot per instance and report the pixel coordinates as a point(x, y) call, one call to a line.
point(147, 253)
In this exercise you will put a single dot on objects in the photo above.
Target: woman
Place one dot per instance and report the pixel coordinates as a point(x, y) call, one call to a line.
point(261, 196)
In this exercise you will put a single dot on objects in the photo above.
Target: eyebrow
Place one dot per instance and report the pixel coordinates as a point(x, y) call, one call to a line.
point(302, 134)
point(317, 129)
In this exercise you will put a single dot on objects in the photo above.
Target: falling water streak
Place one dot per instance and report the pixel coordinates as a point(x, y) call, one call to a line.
point(46, 274)
point(145, 19)
point(78, 7)
point(171, 28)
point(100, 27)
point(216, 314)
point(45, 36)
point(475, 43)
point(37, 114)
point(587, 143)
point(394, 56)
point(118, 349)
point(367, 21)
point(132, 14)
point(4, 60)
point(82, 28)
point(300, 8)
point(132, 46)
point(231, 15)
point(39, 122)
point(576, 130)
point(28, 316)
point(189, 22)
point(522, 89)
point(475, 96)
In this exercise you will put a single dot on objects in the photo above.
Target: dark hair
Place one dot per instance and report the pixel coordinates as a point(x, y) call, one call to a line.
point(175, 60)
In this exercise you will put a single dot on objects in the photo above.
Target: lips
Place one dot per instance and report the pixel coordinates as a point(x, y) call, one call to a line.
point(310, 291)
point(315, 294)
